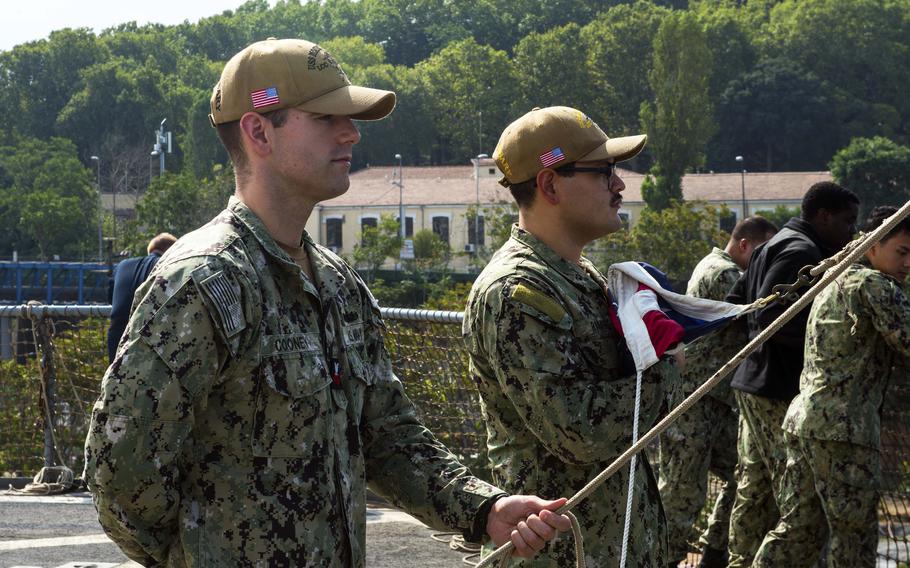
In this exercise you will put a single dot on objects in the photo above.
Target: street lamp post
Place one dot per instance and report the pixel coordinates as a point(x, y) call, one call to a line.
point(477, 190)
point(397, 181)
point(742, 178)
point(163, 141)
point(97, 161)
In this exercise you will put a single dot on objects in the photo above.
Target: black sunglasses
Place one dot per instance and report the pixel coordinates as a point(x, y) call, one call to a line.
point(607, 170)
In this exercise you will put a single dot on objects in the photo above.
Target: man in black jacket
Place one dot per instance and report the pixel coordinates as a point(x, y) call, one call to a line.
point(768, 379)
point(128, 276)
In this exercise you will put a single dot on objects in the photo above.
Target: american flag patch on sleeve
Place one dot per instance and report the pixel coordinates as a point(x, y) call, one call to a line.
point(554, 156)
point(265, 97)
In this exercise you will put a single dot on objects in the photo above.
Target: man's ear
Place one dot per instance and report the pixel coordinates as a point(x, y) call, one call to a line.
point(743, 244)
point(256, 133)
point(545, 186)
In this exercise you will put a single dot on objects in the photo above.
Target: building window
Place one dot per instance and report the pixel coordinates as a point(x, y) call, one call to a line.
point(492, 171)
point(475, 230)
point(727, 222)
point(441, 228)
point(366, 238)
point(626, 219)
point(408, 226)
point(333, 233)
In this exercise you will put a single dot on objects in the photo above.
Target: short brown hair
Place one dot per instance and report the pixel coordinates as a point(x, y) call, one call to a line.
point(754, 229)
point(523, 192)
point(161, 242)
point(230, 136)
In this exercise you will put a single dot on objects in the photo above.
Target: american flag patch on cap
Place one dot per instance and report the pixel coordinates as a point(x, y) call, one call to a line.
point(265, 97)
point(554, 156)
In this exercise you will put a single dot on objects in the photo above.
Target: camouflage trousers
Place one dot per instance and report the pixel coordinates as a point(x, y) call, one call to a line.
point(829, 493)
point(702, 440)
point(759, 472)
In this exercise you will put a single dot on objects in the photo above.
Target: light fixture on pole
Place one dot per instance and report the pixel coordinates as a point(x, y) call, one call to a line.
point(97, 161)
point(742, 178)
point(476, 161)
point(163, 140)
point(397, 181)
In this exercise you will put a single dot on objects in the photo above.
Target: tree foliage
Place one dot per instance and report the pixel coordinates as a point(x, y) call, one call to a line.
point(48, 204)
point(779, 114)
point(877, 169)
point(787, 82)
point(779, 215)
point(178, 203)
point(679, 122)
point(376, 245)
point(655, 235)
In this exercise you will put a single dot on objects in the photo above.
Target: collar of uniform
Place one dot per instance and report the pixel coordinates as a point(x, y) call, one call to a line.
point(329, 280)
point(573, 272)
point(722, 253)
point(254, 224)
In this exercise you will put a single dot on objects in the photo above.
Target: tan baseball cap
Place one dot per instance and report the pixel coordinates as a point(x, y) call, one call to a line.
point(555, 136)
point(282, 73)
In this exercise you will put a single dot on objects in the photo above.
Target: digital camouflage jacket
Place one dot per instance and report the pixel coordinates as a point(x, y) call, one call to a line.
point(712, 279)
point(248, 407)
point(546, 359)
point(859, 326)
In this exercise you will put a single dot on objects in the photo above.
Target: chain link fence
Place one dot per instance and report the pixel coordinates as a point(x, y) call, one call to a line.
point(52, 359)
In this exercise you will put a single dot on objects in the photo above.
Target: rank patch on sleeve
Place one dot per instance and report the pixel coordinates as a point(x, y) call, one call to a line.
point(538, 300)
point(219, 288)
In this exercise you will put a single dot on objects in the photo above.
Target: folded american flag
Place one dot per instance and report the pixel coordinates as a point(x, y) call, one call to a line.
point(653, 318)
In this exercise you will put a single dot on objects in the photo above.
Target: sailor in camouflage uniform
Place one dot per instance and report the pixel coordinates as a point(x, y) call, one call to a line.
point(704, 438)
point(768, 379)
point(859, 327)
point(251, 398)
point(543, 351)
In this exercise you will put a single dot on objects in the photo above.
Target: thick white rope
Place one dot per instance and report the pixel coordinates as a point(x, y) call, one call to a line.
point(835, 266)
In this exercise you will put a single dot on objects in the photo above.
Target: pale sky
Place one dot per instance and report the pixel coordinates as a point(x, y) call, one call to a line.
point(23, 20)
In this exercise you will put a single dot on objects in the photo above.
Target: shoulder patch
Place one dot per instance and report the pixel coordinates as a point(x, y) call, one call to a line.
point(225, 298)
point(538, 300)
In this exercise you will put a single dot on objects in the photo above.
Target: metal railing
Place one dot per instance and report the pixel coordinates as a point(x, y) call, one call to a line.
point(52, 359)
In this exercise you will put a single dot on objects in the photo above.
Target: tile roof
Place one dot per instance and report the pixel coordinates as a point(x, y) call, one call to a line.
point(455, 185)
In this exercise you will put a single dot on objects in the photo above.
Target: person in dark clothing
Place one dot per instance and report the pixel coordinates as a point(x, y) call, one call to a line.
point(768, 379)
point(128, 276)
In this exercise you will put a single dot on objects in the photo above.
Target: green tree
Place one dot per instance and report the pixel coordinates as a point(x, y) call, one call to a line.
point(877, 169)
point(38, 78)
point(410, 30)
point(546, 77)
point(860, 48)
point(202, 150)
point(376, 245)
point(178, 203)
point(431, 258)
point(779, 116)
point(460, 81)
point(730, 41)
point(619, 53)
point(118, 97)
point(354, 52)
point(48, 203)
point(611, 249)
point(502, 23)
point(679, 122)
point(692, 223)
point(407, 131)
point(779, 215)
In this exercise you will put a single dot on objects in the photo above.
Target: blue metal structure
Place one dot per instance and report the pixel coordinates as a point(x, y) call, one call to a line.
point(54, 282)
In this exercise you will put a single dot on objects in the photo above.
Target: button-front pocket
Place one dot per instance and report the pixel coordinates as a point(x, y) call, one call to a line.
point(293, 405)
